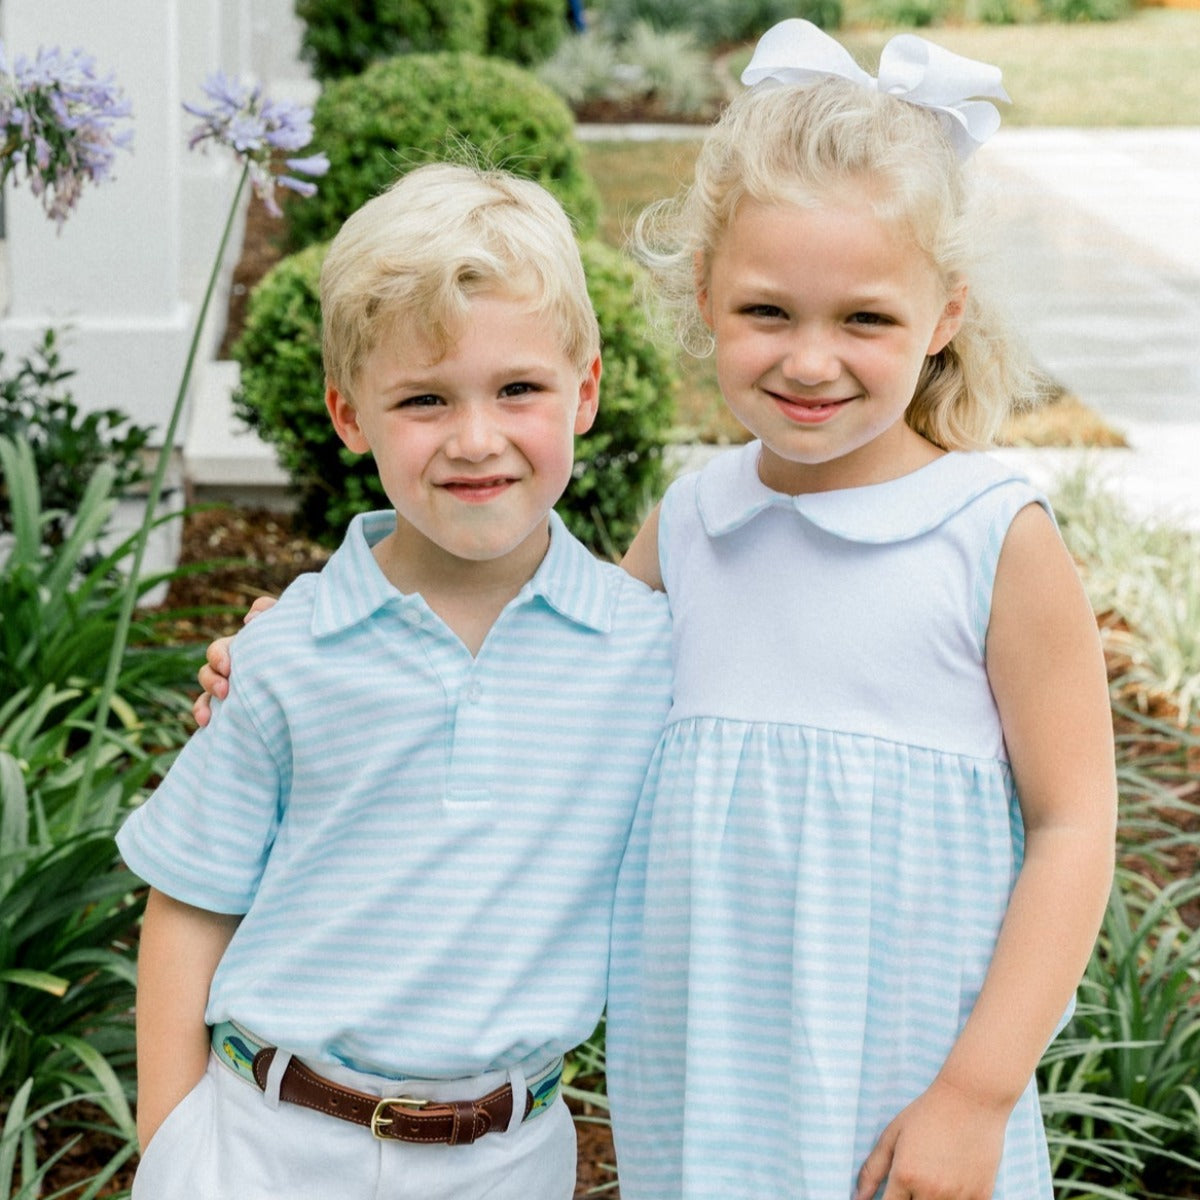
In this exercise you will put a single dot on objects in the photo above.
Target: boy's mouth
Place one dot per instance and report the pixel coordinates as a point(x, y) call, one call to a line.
point(478, 491)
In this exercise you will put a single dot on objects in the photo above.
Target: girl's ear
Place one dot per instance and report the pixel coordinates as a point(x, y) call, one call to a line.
point(703, 299)
point(951, 319)
point(345, 420)
point(589, 397)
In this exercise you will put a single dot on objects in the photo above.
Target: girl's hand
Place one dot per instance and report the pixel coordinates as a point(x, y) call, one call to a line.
point(214, 675)
point(946, 1145)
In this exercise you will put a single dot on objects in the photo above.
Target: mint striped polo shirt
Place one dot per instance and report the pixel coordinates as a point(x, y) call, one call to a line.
point(424, 843)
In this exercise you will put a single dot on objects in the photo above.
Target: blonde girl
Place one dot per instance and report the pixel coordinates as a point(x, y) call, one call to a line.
point(877, 837)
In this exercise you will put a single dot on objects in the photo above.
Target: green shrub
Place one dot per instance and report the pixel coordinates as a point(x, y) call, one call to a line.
point(618, 463)
point(663, 72)
point(525, 31)
point(717, 21)
point(583, 68)
point(67, 446)
point(342, 37)
point(1086, 10)
point(915, 14)
point(423, 107)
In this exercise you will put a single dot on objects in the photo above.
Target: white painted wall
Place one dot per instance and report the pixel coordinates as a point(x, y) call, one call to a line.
point(126, 275)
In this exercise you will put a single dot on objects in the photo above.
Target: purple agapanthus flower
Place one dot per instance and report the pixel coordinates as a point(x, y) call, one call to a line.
point(59, 124)
point(260, 132)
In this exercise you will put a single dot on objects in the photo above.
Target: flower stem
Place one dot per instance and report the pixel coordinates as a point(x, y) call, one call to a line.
point(107, 817)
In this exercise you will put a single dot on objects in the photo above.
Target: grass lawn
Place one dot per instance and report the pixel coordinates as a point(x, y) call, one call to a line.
point(1138, 71)
point(1141, 71)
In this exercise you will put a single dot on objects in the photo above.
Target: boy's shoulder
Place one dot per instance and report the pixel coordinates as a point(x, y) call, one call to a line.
point(286, 624)
point(622, 603)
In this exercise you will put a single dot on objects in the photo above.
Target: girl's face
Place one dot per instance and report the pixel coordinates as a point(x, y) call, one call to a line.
point(823, 318)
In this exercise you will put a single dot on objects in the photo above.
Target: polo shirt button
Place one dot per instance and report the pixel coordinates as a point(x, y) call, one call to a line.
point(475, 692)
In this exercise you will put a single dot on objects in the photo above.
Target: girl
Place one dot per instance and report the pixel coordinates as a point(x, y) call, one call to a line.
point(876, 841)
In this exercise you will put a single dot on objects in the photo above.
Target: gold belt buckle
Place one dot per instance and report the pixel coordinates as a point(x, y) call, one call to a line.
point(378, 1121)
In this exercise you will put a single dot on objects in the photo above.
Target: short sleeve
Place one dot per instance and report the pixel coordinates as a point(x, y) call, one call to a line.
point(205, 834)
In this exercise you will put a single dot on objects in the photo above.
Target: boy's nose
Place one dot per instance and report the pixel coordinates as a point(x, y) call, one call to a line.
point(475, 436)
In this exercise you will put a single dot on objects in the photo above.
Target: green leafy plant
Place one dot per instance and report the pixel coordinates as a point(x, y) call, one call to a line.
point(909, 13)
point(717, 22)
point(67, 930)
point(59, 602)
point(1147, 575)
point(660, 70)
point(525, 31)
point(1122, 1085)
point(343, 37)
point(67, 445)
point(422, 107)
point(1086, 10)
point(618, 463)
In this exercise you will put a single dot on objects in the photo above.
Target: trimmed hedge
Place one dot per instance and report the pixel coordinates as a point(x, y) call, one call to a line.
point(420, 108)
point(525, 31)
point(341, 37)
point(618, 467)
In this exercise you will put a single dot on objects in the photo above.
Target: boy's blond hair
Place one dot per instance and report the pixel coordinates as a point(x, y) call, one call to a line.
point(809, 145)
point(409, 261)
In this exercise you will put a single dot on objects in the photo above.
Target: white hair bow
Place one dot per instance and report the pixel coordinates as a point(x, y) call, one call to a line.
point(910, 68)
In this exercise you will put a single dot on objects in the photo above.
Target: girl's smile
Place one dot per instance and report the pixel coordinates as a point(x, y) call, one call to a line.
point(823, 318)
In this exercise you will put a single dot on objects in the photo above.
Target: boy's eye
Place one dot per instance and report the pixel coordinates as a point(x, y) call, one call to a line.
point(425, 401)
point(519, 388)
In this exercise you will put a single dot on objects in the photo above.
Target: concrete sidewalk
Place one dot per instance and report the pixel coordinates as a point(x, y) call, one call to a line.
point(1098, 233)
point(1100, 246)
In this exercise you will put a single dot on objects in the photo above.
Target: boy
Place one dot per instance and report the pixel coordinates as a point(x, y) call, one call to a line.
point(382, 878)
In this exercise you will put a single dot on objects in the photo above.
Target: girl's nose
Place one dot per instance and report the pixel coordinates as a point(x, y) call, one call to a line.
point(811, 358)
point(475, 436)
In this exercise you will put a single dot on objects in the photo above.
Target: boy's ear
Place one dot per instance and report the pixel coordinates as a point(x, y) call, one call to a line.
point(345, 420)
point(700, 275)
point(951, 319)
point(589, 397)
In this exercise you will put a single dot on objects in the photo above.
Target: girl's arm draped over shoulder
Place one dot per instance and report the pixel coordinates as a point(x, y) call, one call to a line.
point(214, 675)
point(1047, 673)
point(177, 957)
point(641, 559)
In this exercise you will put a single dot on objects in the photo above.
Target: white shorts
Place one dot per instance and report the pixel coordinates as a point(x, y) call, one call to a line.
point(226, 1141)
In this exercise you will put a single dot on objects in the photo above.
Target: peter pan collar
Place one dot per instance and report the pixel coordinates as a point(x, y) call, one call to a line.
point(730, 493)
point(351, 588)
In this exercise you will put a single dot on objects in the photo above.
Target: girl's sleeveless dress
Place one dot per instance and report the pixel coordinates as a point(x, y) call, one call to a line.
point(828, 836)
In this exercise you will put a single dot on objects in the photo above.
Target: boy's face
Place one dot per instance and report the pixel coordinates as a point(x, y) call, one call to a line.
point(475, 448)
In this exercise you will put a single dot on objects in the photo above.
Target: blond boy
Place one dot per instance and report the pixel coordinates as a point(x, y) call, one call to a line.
point(382, 877)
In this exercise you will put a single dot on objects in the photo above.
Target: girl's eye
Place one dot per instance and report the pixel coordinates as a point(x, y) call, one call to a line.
point(869, 318)
point(765, 311)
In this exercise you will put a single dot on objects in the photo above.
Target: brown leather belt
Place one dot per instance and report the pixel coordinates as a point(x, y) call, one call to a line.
point(399, 1118)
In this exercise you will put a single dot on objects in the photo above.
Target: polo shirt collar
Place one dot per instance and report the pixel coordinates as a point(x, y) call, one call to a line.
point(730, 494)
point(351, 588)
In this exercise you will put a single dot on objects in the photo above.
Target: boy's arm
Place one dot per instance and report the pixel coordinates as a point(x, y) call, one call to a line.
point(177, 958)
point(1047, 673)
